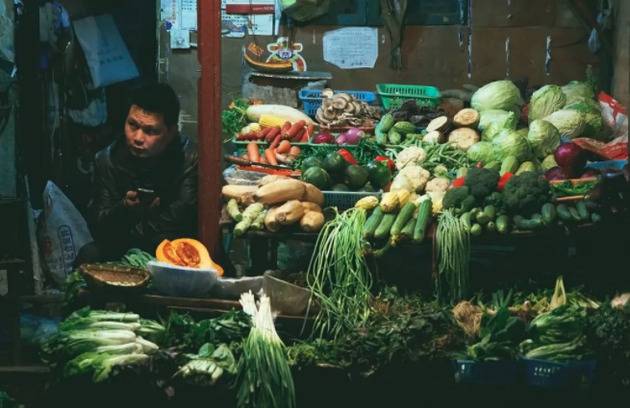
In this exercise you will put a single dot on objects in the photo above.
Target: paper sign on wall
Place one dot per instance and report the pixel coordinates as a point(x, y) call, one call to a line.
point(105, 51)
point(351, 47)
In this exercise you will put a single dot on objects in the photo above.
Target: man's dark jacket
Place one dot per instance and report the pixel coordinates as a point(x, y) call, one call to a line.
point(173, 176)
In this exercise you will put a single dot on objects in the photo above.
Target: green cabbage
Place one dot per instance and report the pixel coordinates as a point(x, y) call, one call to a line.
point(543, 138)
point(545, 101)
point(493, 131)
point(578, 89)
point(570, 123)
point(594, 123)
point(512, 143)
point(549, 163)
point(480, 152)
point(497, 95)
point(505, 119)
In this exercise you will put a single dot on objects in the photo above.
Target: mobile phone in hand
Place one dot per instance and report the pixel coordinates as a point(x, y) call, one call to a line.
point(146, 195)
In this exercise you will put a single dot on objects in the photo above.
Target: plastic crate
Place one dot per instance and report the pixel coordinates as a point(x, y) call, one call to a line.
point(487, 372)
point(393, 95)
point(346, 199)
point(312, 98)
point(550, 374)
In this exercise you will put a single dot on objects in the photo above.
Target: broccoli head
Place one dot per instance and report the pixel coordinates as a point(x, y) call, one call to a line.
point(481, 181)
point(524, 194)
point(459, 198)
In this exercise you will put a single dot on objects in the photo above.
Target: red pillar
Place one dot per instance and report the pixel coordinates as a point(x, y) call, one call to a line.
point(209, 116)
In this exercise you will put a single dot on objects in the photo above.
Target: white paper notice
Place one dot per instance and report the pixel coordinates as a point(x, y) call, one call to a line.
point(351, 47)
point(188, 16)
point(180, 39)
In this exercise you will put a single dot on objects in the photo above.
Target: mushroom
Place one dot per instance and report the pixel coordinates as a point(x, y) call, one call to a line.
point(327, 93)
point(339, 103)
point(358, 108)
point(319, 116)
point(345, 96)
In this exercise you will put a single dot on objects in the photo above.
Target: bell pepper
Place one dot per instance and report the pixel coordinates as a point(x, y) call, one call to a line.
point(458, 182)
point(386, 160)
point(347, 156)
point(503, 180)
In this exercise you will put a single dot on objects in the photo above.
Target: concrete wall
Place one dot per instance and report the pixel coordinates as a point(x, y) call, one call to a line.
point(621, 86)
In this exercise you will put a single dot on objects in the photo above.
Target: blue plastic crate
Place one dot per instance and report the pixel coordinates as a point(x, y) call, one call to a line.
point(550, 374)
point(487, 372)
point(312, 98)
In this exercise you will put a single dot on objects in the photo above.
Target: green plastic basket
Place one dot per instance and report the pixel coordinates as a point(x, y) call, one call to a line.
point(393, 95)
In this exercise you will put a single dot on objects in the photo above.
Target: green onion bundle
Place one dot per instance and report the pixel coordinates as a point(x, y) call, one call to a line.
point(453, 247)
point(264, 378)
point(338, 275)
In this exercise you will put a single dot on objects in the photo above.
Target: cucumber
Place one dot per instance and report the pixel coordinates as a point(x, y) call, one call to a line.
point(582, 211)
point(404, 127)
point(482, 218)
point(491, 226)
point(548, 213)
point(394, 137)
point(527, 224)
point(385, 226)
point(381, 136)
point(474, 212)
point(502, 222)
point(233, 210)
point(406, 212)
point(476, 230)
point(493, 165)
point(563, 212)
point(575, 215)
point(590, 205)
point(424, 216)
point(490, 211)
point(595, 218)
point(386, 123)
point(466, 220)
point(373, 221)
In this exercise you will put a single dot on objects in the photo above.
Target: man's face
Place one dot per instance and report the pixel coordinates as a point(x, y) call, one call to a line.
point(146, 133)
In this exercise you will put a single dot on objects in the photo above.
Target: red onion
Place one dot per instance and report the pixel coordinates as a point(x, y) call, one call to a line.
point(324, 138)
point(571, 157)
point(351, 136)
point(555, 173)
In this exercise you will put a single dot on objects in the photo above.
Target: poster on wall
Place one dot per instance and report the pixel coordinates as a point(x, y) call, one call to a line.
point(351, 47)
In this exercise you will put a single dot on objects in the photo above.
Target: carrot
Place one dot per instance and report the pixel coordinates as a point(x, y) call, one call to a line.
point(295, 128)
point(286, 127)
point(299, 135)
point(253, 152)
point(263, 160)
point(284, 147)
point(295, 151)
point(270, 154)
point(275, 131)
point(310, 129)
point(265, 132)
point(275, 142)
point(244, 136)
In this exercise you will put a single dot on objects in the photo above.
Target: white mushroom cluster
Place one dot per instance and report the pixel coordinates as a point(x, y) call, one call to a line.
point(341, 109)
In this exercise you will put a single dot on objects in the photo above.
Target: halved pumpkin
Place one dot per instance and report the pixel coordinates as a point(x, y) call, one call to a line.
point(186, 252)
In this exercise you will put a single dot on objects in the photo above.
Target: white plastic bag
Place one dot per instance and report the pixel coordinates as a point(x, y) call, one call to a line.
point(62, 232)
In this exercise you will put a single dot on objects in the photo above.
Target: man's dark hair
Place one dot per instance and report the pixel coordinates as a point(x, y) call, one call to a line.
point(158, 98)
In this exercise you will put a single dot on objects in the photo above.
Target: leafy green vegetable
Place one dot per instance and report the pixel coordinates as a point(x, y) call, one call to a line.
point(480, 152)
point(543, 137)
point(497, 95)
point(500, 333)
point(512, 143)
point(576, 90)
point(234, 118)
point(501, 118)
point(545, 101)
point(570, 123)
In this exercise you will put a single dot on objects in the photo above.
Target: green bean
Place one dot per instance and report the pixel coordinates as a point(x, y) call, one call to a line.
point(453, 246)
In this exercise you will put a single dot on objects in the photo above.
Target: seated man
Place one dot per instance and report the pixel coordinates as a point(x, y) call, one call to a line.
point(145, 182)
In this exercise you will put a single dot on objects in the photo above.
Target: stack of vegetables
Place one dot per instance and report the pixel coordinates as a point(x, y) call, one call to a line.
point(405, 124)
point(274, 203)
point(95, 343)
point(341, 110)
point(209, 365)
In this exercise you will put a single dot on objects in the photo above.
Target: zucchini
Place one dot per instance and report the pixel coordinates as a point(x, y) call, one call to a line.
point(548, 213)
point(394, 137)
point(575, 215)
point(381, 136)
point(474, 212)
point(373, 221)
point(491, 227)
point(582, 211)
point(233, 211)
point(502, 222)
point(476, 230)
point(563, 212)
point(407, 232)
point(490, 211)
point(466, 220)
point(405, 213)
point(424, 216)
point(385, 226)
point(386, 123)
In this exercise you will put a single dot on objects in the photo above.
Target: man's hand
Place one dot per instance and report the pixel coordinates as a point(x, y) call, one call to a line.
point(131, 199)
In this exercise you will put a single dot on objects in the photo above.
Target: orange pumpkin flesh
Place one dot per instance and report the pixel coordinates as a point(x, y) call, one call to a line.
point(186, 252)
